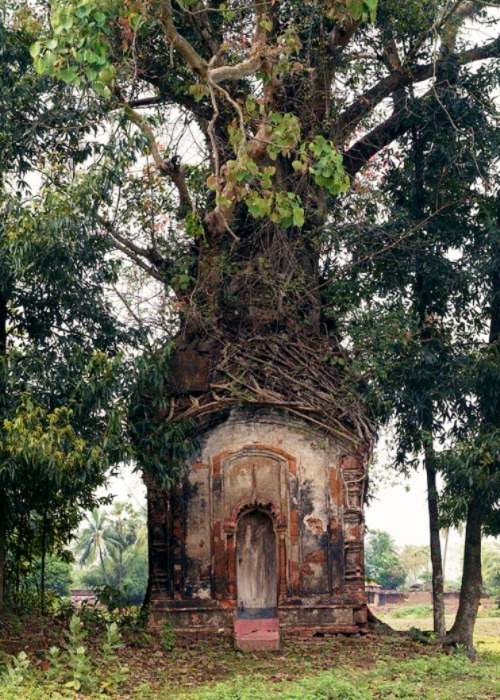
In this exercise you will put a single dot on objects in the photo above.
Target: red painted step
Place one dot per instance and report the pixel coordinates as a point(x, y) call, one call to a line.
point(257, 635)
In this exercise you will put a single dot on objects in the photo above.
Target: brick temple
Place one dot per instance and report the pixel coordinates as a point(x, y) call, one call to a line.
point(265, 534)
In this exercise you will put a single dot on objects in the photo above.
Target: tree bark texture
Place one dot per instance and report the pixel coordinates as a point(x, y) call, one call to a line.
point(3, 515)
point(2, 568)
point(42, 572)
point(470, 592)
point(435, 547)
point(446, 538)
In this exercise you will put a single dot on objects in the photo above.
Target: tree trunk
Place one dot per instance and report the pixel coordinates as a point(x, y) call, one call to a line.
point(428, 423)
point(2, 576)
point(104, 572)
point(120, 570)
point(470, 591)
point(435, 544)
point(42, 572)
point(3, 496)
point(446, 538)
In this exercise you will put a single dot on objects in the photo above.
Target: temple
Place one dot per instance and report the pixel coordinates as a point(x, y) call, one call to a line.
point(265, 534)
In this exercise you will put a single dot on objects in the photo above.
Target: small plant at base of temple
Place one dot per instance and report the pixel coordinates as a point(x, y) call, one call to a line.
point(79, 663)
point(116, 672)
point(167, 638)
point(17, 668)
point(56, 667)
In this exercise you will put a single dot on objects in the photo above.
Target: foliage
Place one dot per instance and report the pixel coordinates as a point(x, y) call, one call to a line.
point(71, 669)
point(382, 562)
point(117, 541)
point(213, 668)
point(117, 672)
point(168, 636)
point(415, 561)
point(253, 219)
point(403, 679)
point(58, 576)
point(59, 358)
point(491, 566)
point(78, 662)
point(160, 446)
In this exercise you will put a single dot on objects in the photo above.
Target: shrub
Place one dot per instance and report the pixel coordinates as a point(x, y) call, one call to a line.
point(71, 669)
point(167, 637)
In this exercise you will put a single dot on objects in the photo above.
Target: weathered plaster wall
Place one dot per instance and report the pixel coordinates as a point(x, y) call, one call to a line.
point(310, 487)
point(238, 465)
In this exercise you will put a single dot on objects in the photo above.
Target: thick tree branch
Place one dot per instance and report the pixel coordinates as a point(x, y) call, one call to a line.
point(138, 261)
point(407, 75)
point(147, 101)
point(188, 52)
point(200, 21)
point(256, 58)
point(171, 167)
point(341, 36)
point(133, 251)
point(198, 64)
point(358, 155)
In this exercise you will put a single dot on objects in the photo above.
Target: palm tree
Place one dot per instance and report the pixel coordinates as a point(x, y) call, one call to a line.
point(97, 541)
point(129, 529)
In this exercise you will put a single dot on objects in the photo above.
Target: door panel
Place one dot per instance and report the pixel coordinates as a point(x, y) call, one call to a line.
point(256, 569)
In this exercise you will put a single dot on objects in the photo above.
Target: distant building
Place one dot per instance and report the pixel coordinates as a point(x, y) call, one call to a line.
point(377, 597)
point(83, 595)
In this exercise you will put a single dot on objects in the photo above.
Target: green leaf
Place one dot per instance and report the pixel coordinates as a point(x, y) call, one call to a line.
point(67, 22)
point(259, 206)
point(68, 75)
point(35, 49)
point(134, 19)
point(298, 217)
point(39, 66)
point(198, 91)
point(102, 90)
point(48, 59)
point(100, 18)
point(83, 10)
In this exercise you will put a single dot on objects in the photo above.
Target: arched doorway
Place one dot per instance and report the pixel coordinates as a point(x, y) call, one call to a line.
point(256, 566)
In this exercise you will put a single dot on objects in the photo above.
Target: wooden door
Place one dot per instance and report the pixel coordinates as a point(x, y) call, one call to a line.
point(256, 565)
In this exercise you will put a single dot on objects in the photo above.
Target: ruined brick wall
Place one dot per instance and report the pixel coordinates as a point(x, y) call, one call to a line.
point(312, 490)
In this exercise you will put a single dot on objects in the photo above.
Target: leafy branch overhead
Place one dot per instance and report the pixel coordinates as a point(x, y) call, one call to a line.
point(285, 103)
point(285, 115)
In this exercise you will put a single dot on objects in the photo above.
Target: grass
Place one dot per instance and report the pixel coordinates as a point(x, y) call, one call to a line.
point(356, 668)
point(412, 611)
point(443, 677)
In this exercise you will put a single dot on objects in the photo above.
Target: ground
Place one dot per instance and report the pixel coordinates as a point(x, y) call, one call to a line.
point(357, 668)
